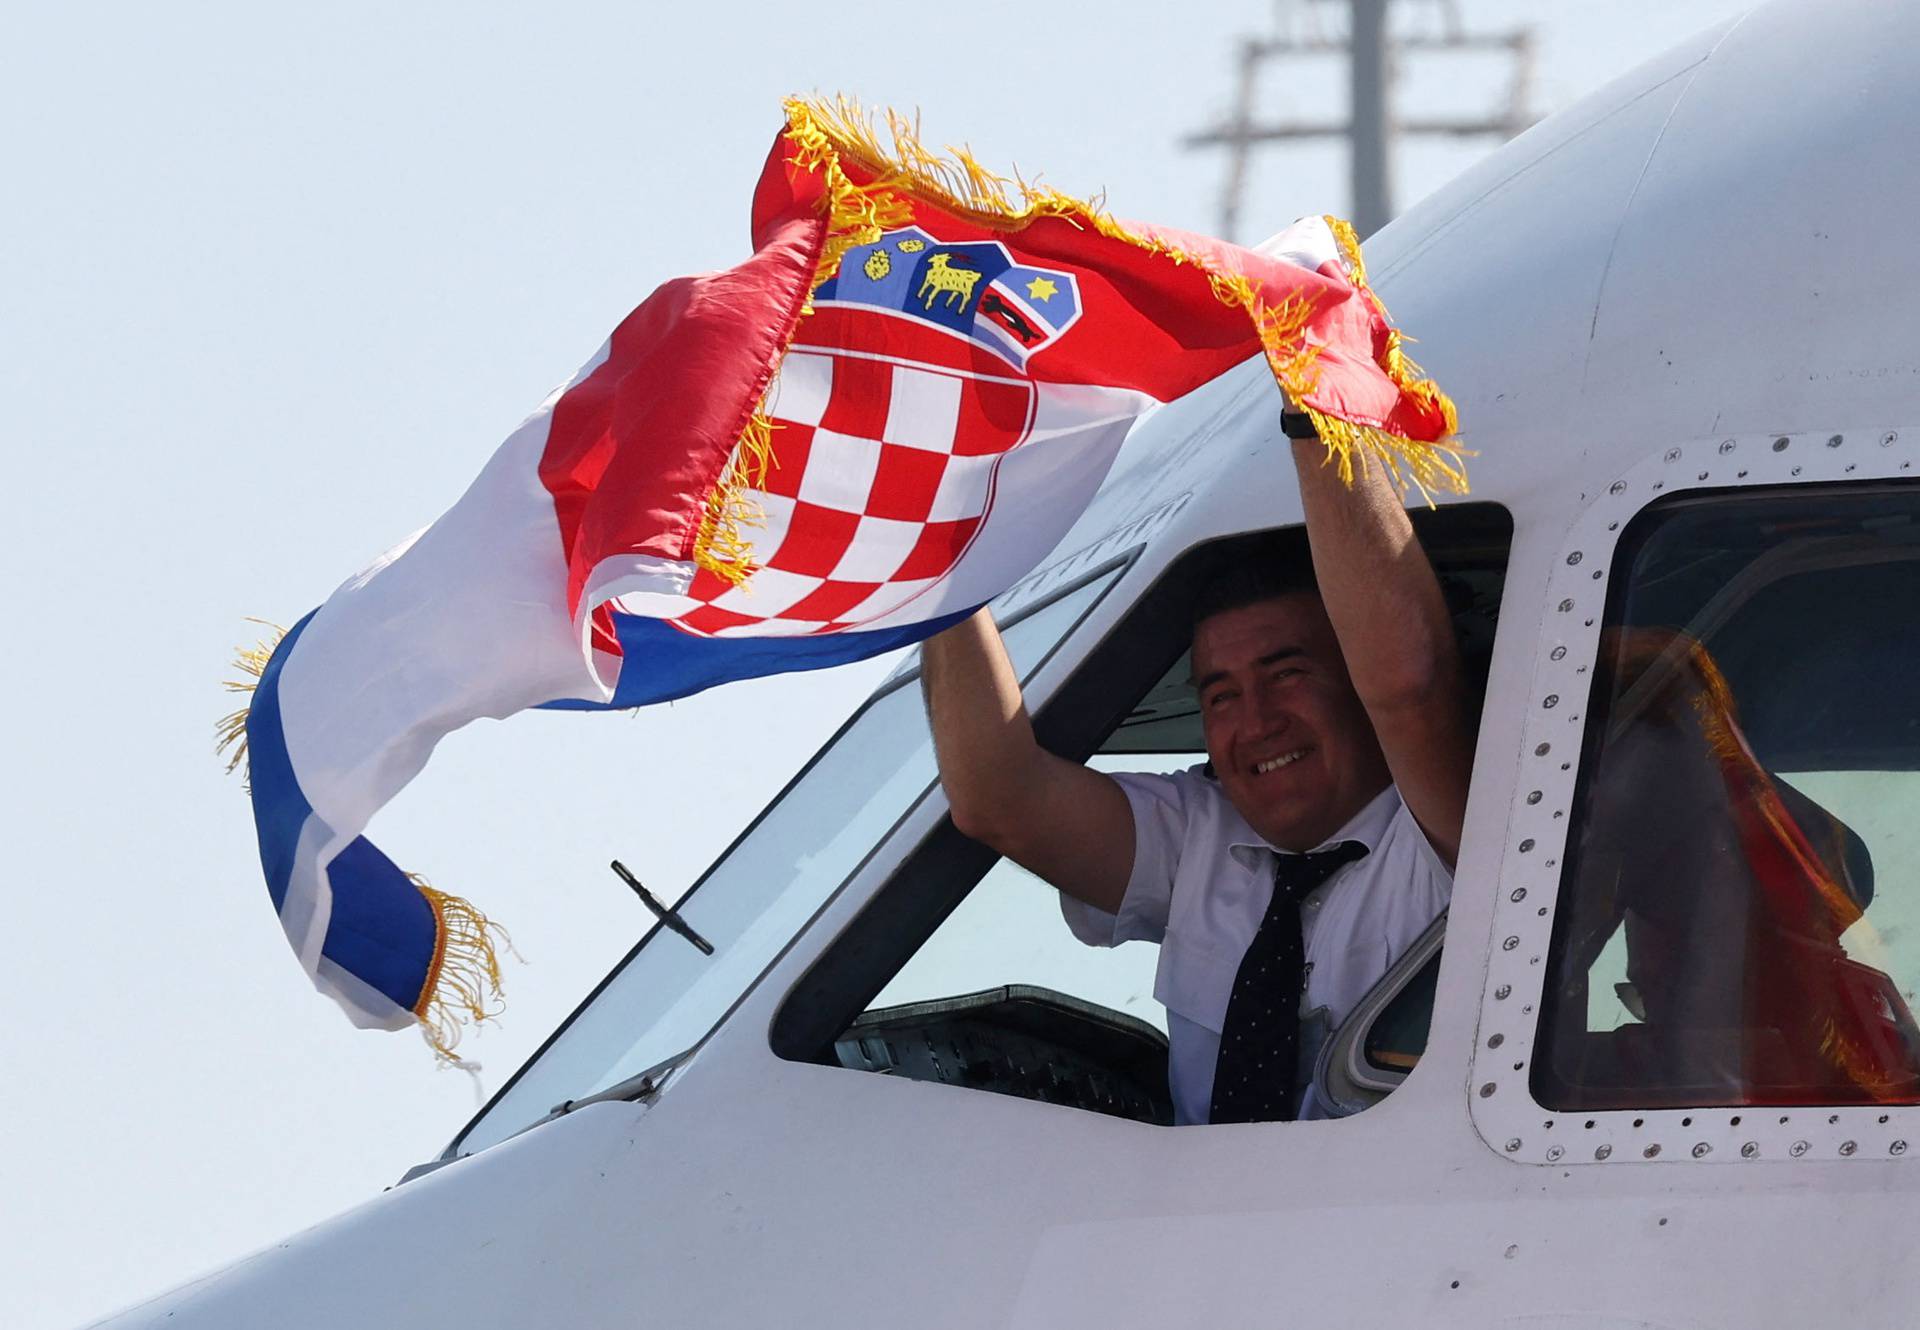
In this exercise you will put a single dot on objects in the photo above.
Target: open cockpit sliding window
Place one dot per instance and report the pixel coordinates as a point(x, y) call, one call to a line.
point(961, 969)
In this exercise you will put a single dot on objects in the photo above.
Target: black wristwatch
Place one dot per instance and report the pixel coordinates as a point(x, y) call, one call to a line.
point(1298, 425)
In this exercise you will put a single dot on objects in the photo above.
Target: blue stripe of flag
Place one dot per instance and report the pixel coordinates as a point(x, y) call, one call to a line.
point(381, 929)
point(662, 663)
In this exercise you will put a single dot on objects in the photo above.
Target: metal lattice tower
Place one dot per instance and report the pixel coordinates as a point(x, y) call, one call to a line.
point(1303, 31)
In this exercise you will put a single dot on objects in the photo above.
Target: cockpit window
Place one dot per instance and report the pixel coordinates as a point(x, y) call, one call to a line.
point(1735, 925)
point(962, 970)
point(666, 995)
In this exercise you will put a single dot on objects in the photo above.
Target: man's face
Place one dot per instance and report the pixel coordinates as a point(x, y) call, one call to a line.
point(1290, 742)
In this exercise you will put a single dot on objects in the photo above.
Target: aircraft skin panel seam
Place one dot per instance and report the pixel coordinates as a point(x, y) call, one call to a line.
point(1472, 207)
point(1692, 73)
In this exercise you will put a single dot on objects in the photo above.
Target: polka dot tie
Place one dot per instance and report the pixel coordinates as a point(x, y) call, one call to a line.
point(1260, 1038)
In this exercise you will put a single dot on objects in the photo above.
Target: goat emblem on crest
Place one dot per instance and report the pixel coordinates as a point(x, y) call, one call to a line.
point(944, 279)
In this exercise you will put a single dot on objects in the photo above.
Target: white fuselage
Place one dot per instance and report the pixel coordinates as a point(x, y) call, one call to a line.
point(1636, 297)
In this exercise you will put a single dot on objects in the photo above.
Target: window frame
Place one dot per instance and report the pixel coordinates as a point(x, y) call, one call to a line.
point(1074, 721)
point(1353, 1083)
point(1550, 761)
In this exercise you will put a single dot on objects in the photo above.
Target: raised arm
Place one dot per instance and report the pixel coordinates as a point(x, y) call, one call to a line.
point(1070, 825)
point(1394, 631)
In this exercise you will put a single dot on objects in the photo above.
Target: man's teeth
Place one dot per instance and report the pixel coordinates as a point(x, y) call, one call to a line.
point(1275, 763)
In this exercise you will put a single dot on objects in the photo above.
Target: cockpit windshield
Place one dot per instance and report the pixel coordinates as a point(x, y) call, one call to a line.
point(666, 995)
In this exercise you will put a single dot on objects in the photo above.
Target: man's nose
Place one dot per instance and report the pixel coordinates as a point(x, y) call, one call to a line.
point(1270, 714)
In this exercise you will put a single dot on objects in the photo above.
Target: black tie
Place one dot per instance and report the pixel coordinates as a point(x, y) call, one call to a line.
point(1260, 1037)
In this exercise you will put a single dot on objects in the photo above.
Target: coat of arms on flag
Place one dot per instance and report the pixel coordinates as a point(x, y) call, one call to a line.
point(875, 424)
point(976, 291)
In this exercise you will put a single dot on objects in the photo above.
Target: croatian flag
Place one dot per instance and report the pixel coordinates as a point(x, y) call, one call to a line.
point(883, 418)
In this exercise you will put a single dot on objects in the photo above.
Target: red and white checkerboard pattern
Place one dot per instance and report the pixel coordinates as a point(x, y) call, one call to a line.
point(883, 471)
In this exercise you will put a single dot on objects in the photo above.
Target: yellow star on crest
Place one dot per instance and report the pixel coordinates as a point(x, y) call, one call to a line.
point(1040, 288)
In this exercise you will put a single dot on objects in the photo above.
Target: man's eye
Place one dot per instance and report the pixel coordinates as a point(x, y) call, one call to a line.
point(1213, 701)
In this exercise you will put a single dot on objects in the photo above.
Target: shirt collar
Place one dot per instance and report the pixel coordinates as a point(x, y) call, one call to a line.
point(1368, 826)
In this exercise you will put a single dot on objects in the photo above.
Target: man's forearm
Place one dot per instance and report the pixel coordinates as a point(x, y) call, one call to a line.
point(1058, 819)
point(981, 733)
point(1380, 591)
point(1391, 619)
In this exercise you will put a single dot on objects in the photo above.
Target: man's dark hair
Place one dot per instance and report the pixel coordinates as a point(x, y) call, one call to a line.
point(1250, 581)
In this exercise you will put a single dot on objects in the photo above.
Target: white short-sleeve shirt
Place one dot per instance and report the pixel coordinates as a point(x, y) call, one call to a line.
point(1202, 880)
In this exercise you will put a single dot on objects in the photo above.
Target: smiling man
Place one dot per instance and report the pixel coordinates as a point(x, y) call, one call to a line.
point(1285, 876)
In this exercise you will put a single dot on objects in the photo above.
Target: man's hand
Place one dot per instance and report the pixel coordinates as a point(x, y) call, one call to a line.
point(1070, 825)
point(1395, 633)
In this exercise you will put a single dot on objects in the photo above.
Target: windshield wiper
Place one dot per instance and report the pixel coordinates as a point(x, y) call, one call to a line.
point(665, 913)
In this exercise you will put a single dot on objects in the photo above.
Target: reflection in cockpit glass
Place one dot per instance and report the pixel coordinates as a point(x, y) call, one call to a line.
point(1734, 926)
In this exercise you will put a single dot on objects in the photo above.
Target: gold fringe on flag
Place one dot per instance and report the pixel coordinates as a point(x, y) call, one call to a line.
point(822, 133)
point(1433, 467)
point(463, 982)
point(463, 979)
point(721, 545)
point(230, 731)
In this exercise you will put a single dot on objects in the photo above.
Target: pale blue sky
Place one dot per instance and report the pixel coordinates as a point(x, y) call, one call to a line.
point(273, 284)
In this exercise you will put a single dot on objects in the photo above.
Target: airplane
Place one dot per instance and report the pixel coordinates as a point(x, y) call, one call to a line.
point(1654, 1068)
